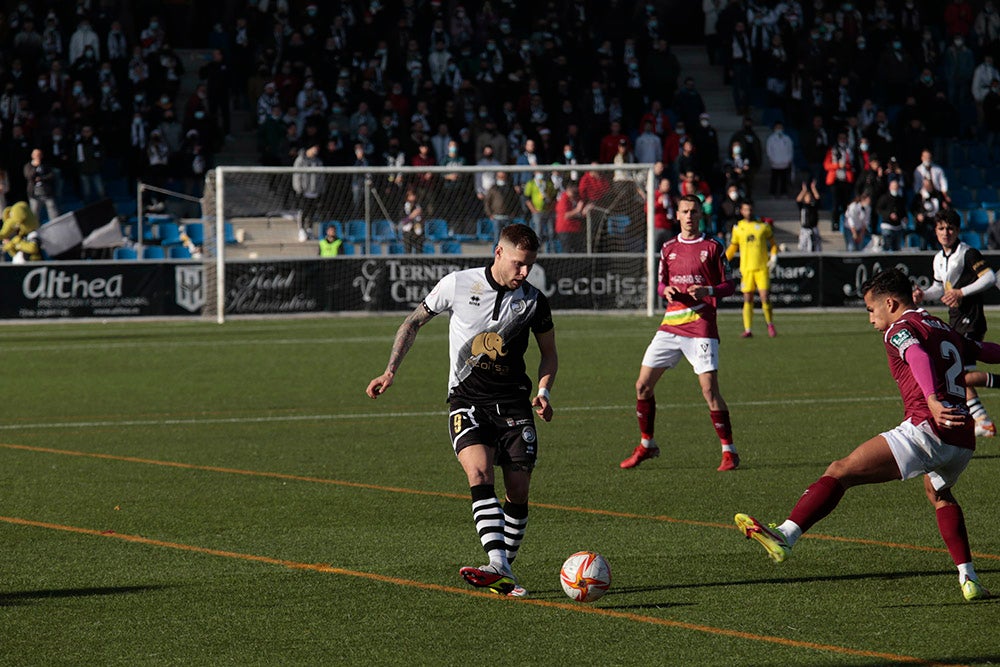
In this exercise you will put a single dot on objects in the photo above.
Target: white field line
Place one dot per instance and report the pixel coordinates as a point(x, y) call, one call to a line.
point(398, 415)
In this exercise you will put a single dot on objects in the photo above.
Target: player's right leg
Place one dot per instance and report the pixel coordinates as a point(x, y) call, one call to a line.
point(748, 286)
point(645, 399)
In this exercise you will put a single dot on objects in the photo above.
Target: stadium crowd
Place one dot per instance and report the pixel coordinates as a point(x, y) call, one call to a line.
point(856, 95)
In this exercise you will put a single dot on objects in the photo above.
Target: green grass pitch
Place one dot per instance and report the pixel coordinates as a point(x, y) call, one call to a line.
point(188, 493)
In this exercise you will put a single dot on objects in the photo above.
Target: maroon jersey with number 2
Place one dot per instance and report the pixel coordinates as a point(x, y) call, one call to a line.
point(949, 353)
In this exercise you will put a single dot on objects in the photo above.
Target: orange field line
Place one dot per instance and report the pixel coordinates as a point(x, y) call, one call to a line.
point(578, 608)
point(459, 496)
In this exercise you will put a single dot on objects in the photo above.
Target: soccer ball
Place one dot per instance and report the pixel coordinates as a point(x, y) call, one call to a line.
point(585, 576)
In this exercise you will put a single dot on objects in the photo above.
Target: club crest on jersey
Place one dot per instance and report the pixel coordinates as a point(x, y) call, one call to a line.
point(528, 434)
point(703, 256)
point(518, 306)
point(489, 343)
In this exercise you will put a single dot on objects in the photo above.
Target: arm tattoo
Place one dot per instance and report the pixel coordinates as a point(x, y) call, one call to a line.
point(406, 334)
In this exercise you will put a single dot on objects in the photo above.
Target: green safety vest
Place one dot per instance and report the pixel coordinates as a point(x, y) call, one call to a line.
point(328, 248)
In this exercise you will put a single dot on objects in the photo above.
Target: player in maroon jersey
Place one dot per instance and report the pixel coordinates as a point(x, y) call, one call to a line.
point(693, 274)
point(936, 438)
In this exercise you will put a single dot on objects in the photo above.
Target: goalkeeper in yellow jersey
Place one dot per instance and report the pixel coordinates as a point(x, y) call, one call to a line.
point(754, 240)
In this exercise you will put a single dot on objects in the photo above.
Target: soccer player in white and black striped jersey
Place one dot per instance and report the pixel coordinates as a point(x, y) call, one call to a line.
point(493, 309)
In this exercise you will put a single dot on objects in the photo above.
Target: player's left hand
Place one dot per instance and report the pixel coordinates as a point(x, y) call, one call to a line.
point(946, 416)
point(697, 291)
point(542, 407)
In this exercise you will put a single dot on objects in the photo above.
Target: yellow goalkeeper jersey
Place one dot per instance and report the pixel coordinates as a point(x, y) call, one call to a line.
point(755, 241)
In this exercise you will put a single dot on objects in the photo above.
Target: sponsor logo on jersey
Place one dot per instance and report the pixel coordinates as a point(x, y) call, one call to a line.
point(489, 343)
point(528, 434)
point(898, 339)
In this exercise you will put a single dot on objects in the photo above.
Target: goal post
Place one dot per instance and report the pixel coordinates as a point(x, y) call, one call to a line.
point(426, 212)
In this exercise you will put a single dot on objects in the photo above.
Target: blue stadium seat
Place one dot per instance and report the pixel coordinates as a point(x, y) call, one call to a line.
point(152, 252)
point(428, 248)
point(961, 198)
point(196, 232)
point(347, 248)
point(396, 248)
point(486, 230)
point(451, 248)
point(987, 194)
point(979, 155)
point(125, 253)
point(968, 177)
point(437, 230)
point(169, 233)
point(179, 252)
point(355, 231)
point(978, 220)
point(973, 239)
point(229, 233)
point(384, 231)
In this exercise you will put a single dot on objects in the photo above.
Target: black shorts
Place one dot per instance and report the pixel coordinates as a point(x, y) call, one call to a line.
point(508, 428)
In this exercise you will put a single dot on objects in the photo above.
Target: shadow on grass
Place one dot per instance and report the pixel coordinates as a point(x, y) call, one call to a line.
point(16, 598)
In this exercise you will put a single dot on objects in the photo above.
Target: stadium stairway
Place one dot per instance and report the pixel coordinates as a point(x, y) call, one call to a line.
point(718, 99)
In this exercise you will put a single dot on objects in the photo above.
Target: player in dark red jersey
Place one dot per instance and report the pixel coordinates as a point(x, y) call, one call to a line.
point(693, 274)
point(936, 438)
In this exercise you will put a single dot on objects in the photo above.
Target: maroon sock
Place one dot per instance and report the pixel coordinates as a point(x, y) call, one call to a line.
point(723, 428)
point(645, 410)
point(818, 501)
point(951, 523)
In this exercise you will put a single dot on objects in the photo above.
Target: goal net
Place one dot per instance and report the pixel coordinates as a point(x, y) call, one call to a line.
point(432, 214)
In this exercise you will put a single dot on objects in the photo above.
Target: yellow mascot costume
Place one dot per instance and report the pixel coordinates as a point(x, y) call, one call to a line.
point(20, 233)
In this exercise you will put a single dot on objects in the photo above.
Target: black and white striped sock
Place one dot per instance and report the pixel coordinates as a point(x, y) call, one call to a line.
point(516, 515)
point(976, 409)
point(490, 521)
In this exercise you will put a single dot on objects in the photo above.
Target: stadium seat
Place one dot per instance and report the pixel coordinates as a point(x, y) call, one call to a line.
point(179, 252)
point(375, 249)
point(229, 233)
point(124, 253)
point(978, 220)
point(384, 231)
point(914, 240)
point(347, 248)
point(152, 252)
point(962, 198)
point(437, 230)
point(968, 177)
point(355, 231)
point(979, 155)
point(396, 248)
point(428, 248)
point(169, 233)
point(196, 232)
point(991, 175)
point(972, 239)
point(618, 224)
point(486, 230)
point(988, 193)
point(451, 248)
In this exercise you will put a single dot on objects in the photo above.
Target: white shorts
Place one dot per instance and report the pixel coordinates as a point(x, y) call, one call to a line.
point(918, 451)
point(665, 351)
